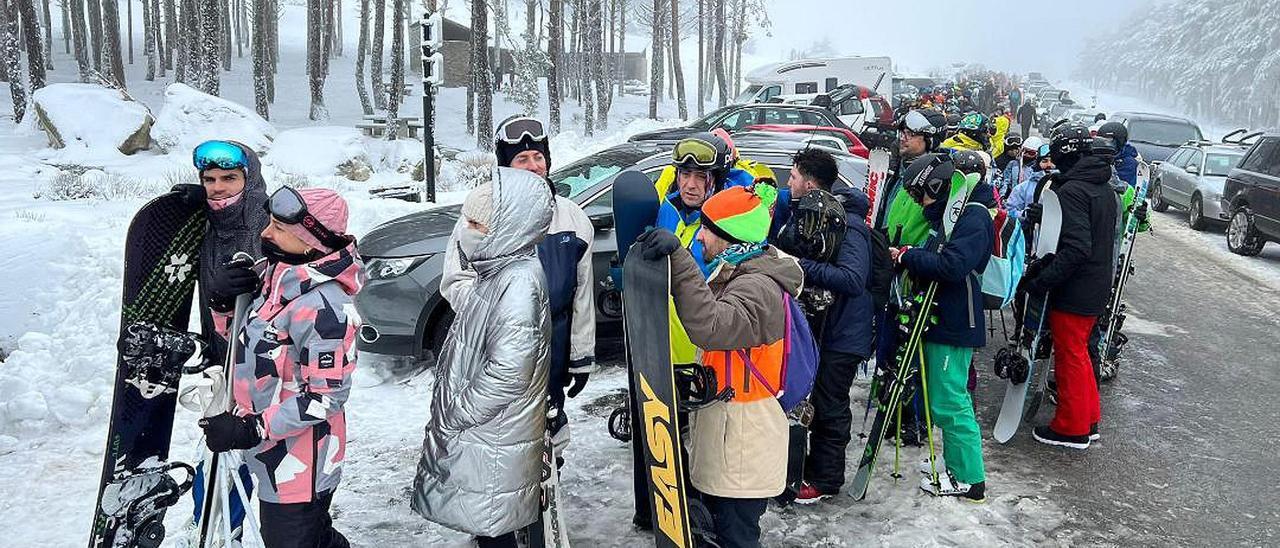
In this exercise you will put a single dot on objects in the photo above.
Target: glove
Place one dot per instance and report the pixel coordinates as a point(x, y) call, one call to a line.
point(1140, 212)
point(233, 279)
point(226, 432)
point(896, 253)
point(579, 371)
point(1033, 213)
point(192, 195)
point(576, 383)
point(657, 243)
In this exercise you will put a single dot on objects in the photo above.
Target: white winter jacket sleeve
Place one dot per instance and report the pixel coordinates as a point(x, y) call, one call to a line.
point(582, 341)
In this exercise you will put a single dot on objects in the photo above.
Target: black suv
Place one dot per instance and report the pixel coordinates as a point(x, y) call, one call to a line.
point(1252, 195)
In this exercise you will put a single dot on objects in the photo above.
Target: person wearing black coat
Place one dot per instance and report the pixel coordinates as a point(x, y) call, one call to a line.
point(1077, 280)
point(846, 337)
point(1027, 117)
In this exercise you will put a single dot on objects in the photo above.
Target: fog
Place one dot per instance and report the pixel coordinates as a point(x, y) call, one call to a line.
point(920, 35)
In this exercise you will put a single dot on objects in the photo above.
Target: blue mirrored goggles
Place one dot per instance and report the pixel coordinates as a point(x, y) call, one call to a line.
point(1043, 152)
point(219, 154)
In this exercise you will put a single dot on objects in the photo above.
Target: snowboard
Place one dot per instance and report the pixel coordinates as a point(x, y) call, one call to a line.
point(1022, 396)
point(645, 300)
point(1113, 340)
point(161, 264)
point(549, 530)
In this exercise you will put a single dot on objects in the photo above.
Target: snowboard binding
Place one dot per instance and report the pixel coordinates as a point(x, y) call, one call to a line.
point(154, 356)
point(1011, 365)
point(696, 386)
point(135, 503)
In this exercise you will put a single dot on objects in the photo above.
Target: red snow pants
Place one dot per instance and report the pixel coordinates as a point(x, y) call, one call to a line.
point(1079, 406)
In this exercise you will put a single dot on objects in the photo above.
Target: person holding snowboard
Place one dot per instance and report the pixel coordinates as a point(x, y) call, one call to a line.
point(521, 142)
point(1077, 280)
point(293, 374)
point(737, 448)
point(951, 259)
point(845, 340)
point(481, 462)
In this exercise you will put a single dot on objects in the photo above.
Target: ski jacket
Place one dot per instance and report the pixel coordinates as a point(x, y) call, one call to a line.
point(565, 255)
point(904, 212)
point(961, 141)
point(1015, 173)
point(956, 263)
point(737, 449)
point(294, 370)
point(997, 141)
point(480, 467)
point(1126, 164)
point(1023, 195)
point(847, 327)
point(1078, 276)
point(237, 227)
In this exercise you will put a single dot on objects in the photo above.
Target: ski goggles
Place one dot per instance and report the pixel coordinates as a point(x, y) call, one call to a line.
point(287, 206)
point(1043, 151)
point(917, 123)
point(695, 152)
point(513, 131)
point(219, 154)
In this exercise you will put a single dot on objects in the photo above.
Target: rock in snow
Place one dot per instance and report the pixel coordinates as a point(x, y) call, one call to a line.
point(118, 121)
point(190, 117)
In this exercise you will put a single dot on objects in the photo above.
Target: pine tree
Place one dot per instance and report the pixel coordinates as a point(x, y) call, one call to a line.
point(157, 38)
point(80, 40)
point(397, 71)
point(555, 43)
point(315, 64)
point(587, 33)
point(259, 52)
point(530, 63)
point(362, 53)
point(210, 45)
point(604, 88)
point(718, 49)
point(681, 104)
point(481, 75)
point(32, 37)
point(94, 10)
point(10, 61)
point(111, 40)
point(170, 34)
point(47, 19)
point(375, 54)
point(656, 47)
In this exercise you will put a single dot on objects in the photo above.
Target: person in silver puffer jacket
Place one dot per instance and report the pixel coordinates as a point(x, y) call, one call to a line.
point(480, 466)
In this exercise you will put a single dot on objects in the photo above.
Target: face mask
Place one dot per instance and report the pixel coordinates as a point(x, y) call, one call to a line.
point(469, 241)
point(224, 203)
point(275, 254)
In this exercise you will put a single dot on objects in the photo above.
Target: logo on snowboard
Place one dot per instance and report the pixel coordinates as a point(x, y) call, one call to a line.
point(662, 467)
point(178, 268)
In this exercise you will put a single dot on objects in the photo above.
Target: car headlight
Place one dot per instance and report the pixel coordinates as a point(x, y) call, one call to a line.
point(384, 269)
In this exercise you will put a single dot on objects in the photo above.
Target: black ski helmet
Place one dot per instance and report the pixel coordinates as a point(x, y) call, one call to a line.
point(1117, 132)
point(517, 134)
point(969, 162)
point(1104, 147)
point(1068, 143)
point(928, 122)
point(928, 175)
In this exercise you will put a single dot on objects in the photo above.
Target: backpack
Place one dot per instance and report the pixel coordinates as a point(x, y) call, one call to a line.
point(799, 359)
point(1008, 259)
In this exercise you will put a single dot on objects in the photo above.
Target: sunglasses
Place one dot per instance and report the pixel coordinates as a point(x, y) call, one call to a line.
point(514, 131)
point(287, 206)
point(219, 154)
point(694, 151)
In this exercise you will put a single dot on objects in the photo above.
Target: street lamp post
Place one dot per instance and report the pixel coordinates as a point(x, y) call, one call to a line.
point(432, 76)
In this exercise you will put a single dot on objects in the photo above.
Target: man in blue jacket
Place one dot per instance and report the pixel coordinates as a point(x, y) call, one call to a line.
point(952, 260)
point(1126, 159)
point(845, 340)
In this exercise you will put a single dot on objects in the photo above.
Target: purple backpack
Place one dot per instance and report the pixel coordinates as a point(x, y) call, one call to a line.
point(799, 359)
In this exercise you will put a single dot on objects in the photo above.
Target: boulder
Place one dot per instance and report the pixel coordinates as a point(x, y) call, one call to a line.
point(190, 117)
point(321, 152)
point(118, 121)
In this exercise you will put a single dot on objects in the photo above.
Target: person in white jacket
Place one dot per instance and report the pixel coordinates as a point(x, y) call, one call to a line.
point(521, 143)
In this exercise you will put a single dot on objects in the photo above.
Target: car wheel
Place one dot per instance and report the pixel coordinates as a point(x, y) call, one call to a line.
point(1242, 235)
point(1157, 198)
point(1195, 213)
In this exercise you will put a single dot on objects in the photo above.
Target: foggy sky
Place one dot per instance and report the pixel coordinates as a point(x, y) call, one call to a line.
point(920, 34)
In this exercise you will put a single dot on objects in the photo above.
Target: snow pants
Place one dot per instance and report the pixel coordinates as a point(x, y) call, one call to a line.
point(830, 431)
point(1079, 406)
point(951, 408)
point(737, 520)
point(300, 525)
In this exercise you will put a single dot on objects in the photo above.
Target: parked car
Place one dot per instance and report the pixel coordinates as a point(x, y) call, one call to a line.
point(735, 117)
point(1192, 179)
point(1085, 116)
point(1252, 196)
point(403, 311)
point(850, 140)
point(1156, 136)
point(856, 106)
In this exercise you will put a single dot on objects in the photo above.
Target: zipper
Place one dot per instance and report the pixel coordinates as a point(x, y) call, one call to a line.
point(968, 286)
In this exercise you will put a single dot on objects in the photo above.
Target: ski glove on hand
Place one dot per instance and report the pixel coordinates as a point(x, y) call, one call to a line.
point(226, 432)
point(1033, 213)
point(233, 279)
point(191, 194)
point(657, 243)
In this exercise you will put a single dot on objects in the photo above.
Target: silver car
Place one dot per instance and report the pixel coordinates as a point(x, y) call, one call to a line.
point(1192, 178)
point(403, 311)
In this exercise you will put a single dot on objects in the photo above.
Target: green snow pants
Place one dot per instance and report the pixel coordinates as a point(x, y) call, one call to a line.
point(947, 373)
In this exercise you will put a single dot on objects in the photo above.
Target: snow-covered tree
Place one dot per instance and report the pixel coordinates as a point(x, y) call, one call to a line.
point(261, 68)
point(656, 47)
point(530, 63)
point(95, 33)
point(10, 62)
point(210, 46)
point(481, 75)
point(32, 39)
point(555, 49)
point(80, 40)
point(397, 70)
point(362, 54)
point(315, 61)
point(375, 54)
point(681, 104)
point(113, 63)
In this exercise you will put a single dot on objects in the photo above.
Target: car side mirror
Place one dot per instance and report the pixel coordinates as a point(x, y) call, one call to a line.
point(1193, 169)
point(603, 221)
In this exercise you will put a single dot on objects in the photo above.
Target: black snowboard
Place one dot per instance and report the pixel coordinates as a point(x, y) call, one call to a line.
point(161, 264)
point(645, 303)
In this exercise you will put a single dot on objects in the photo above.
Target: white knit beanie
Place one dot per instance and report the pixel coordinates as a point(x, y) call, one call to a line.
point(478, 205)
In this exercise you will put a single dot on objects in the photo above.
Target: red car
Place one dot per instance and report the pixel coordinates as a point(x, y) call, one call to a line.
point(851, 140)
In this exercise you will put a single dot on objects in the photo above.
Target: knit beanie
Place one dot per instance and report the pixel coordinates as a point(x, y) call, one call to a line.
point(507, 152)
point(741, 215)
point(328, 208)
point(478, 206)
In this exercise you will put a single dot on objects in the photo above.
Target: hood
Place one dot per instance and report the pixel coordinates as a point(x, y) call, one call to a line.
point(1090, 169)
point(237, 227)
point(285, 283)
point(522, 209)
point(783, 269)
point(242, 213)
point(421, 233)
point(856, 204)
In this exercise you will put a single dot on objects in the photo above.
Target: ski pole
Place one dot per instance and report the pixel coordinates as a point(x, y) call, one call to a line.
point(928, 416)
point(237, 461)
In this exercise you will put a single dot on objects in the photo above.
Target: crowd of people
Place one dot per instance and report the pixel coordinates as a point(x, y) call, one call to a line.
point(518, 276)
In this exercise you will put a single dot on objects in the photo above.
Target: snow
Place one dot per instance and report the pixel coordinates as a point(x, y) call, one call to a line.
point(191, 117)
point(115, 119)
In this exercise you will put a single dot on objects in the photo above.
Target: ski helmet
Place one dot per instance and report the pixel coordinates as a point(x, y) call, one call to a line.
point(1068, 143)
point(702, 151)
point(1104, 147)
point(816, 229)
point(1117, 132)
point(928, 175)
point(969, 162)
point(1032, 143)
point(927, 122)
point(973, 121)
point(517, 134)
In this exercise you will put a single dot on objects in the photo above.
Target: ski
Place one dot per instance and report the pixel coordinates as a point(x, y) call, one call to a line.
point(549, 530)
point(161, 262)
point(1018, 363)
point(877, 172)
point(646, 297)
point(1113, 340)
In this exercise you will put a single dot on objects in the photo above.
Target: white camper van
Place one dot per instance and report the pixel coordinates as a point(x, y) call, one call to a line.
point(817, 76)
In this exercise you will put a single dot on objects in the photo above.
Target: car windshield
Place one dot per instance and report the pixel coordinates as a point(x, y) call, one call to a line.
point(584, 174)
point(1163, 132)
point(1220, 164)
point(706, 121)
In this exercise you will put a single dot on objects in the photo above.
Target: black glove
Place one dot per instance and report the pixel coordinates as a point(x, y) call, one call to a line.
point(1033, 213)
point(576, 384)
point(657, 243)
point(233, 279)
point(226, 432)
point(192, 195)
point(1140, 212)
